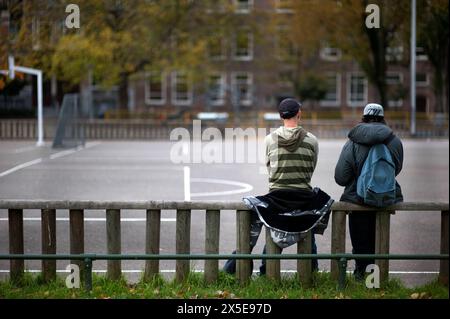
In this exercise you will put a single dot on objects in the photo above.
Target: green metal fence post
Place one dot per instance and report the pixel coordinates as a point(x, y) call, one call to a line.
point(342, 273)
point(88, 274)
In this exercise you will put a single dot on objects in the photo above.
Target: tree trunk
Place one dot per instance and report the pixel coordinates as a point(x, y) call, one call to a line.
point(376, 66)
point(438, 86)
point(123, 91)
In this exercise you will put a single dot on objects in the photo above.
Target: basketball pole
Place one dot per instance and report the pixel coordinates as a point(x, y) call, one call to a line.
point(413, 68)
point(40, 114)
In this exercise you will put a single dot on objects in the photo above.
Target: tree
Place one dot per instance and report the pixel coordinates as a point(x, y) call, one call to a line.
point(311, 88)
point(121, 38)
point(433, 36)
point(342, 24)
point(116, 39)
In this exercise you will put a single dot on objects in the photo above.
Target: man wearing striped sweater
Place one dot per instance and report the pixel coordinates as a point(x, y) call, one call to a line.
point(291, 151)
point(291, 157)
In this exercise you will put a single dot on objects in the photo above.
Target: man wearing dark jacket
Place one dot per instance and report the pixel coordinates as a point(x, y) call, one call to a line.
point(373, 130)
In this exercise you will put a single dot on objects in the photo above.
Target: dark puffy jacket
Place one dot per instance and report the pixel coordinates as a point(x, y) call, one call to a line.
point(355, 152)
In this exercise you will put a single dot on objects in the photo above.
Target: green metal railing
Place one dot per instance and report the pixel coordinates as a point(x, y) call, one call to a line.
point(342, 259)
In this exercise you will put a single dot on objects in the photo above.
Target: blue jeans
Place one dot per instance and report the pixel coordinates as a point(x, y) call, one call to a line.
point(255, 231)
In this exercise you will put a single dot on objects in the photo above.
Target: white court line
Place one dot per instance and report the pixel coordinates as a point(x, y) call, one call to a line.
point(53, 156)
point(129, 271)
point(24, 149)
point(62, 153)
point(93, 219)
point(73, 150)
point(21, 166)
point(244, 187)
point(187, 183)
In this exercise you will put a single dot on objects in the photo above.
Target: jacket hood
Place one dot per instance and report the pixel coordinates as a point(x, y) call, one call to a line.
point(291, 138)
point(369, 133)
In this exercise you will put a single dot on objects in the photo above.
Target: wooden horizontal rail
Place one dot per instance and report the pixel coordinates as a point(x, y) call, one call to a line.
point(198, 205)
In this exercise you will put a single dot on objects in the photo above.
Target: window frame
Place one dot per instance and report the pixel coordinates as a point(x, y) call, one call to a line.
point(173, 93)
point(249, 83)
point(239, 10)
point(222, 93)
point(249, 56)
point(351, 102)
point(147, 89)
point(337, 102)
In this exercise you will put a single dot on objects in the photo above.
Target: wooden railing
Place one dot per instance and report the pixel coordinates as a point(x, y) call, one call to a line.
point(212, 237)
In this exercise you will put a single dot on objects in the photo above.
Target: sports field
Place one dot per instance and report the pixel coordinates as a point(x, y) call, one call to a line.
point(144, 171)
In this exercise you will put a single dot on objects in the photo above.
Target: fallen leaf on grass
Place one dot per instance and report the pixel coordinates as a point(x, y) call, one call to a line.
point(222, 294)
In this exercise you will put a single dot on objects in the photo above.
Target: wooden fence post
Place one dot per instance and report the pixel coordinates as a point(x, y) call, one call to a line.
point(272, 265)
point(113, 238)
point(304, 266)
point(443, 267)
point(382, 238)
point(76, 217)
point(243, 266)
point(48, 231)
point(152, 241)
point(183, 243)
point(15, 221)
point(337, 239)
point(212, 236)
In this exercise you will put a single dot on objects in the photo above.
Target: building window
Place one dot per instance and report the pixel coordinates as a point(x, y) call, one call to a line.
point(330, 54)
point(395, 103)
point(333, 95)
point(243, 6)
point(214, 6)
point(357, 89)
point(243, 45)
point(216, 48)
point(155, 88)
point(394, 53)
point(242, 86)
point(285, 47)
point(181, 89)
point(420, 54)
point(422, 79)
point(284, 6)
point(216, 89)
point(394, 78)
point(422, 104)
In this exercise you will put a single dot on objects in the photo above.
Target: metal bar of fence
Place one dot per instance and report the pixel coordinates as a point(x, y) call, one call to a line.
point(343, 258)
point(220, 256)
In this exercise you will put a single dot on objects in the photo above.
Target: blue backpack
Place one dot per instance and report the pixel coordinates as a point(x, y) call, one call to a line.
point(376, 183)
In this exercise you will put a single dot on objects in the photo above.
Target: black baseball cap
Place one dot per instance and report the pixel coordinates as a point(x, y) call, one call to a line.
point(289, 108)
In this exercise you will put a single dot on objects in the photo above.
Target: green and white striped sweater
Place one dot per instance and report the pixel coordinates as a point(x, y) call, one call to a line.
point(291, 168)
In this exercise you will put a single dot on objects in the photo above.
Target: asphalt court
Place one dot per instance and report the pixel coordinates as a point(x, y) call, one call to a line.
point(144, 171)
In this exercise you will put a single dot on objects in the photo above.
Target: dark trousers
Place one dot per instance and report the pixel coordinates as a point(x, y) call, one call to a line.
point(362, 234)
point(255, 230)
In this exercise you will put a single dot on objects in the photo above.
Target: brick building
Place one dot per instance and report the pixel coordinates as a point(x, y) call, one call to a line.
point(253, 75)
